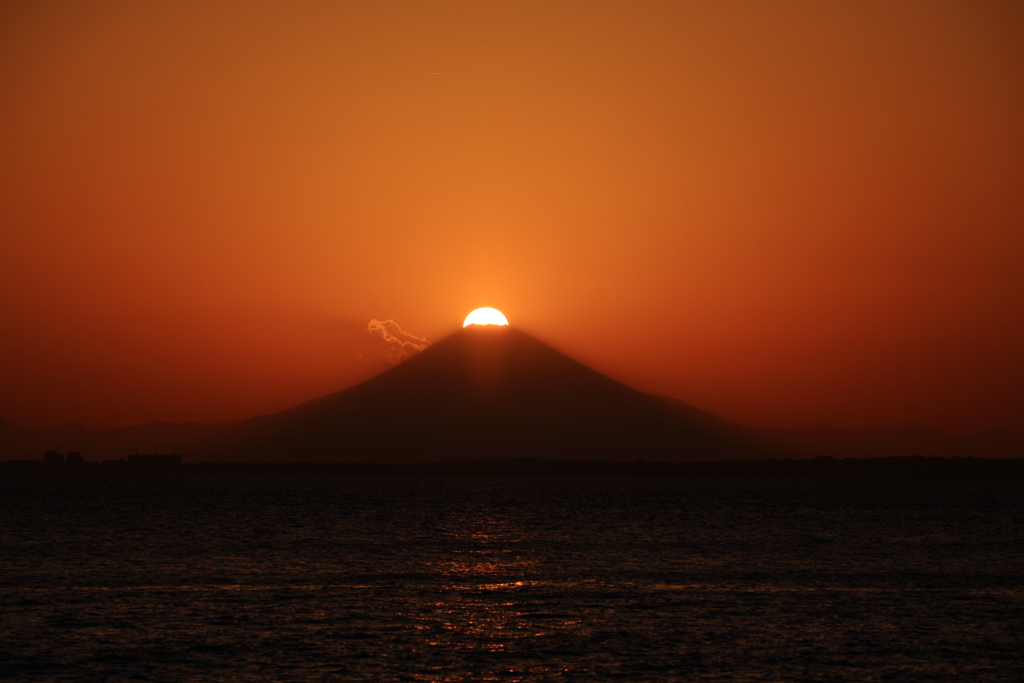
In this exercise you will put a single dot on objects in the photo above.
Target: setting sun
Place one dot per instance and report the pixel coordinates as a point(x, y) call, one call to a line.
point(485, 316)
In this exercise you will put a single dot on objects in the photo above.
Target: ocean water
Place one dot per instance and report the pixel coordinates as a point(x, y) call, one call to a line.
point(509, 579)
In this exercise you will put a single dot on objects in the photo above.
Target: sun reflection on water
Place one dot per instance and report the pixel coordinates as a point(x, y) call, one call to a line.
point(512, 580)
point(480, 579)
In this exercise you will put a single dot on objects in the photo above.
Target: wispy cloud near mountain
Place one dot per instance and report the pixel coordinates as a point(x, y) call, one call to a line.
point(398, 344)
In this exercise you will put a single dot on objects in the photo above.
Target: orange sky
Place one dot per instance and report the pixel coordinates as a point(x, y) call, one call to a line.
point(784, 213)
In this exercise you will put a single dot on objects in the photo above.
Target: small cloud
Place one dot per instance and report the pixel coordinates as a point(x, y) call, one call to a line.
point(399, 345)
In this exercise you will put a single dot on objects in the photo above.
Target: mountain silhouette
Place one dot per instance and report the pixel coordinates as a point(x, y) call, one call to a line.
point(495, 392)
point(97, 444)
point(486, 392)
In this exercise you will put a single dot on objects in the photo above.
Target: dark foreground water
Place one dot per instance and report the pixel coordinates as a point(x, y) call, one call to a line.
point(237, 579)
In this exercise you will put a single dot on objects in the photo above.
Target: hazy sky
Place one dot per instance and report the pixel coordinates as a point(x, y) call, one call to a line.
point(783, 213)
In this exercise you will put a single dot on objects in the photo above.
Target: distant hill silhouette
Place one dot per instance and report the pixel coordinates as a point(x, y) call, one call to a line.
point(492, 393)
point(884, 442)
point(163, 437)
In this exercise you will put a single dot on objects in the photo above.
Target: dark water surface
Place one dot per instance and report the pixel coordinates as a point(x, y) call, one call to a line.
point(304, 579)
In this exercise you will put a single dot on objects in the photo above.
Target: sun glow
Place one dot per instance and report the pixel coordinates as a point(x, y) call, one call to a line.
point(485, 316)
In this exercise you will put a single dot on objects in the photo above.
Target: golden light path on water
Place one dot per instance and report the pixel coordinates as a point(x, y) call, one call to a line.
point(479, 607)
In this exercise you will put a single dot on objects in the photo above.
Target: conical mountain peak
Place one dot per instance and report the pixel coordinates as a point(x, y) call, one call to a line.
point(484, 392)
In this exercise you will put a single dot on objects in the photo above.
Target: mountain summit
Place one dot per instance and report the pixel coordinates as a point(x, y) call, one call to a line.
point(485, 392)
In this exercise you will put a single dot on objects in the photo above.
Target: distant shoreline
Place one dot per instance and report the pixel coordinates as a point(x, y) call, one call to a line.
point(912, 467)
